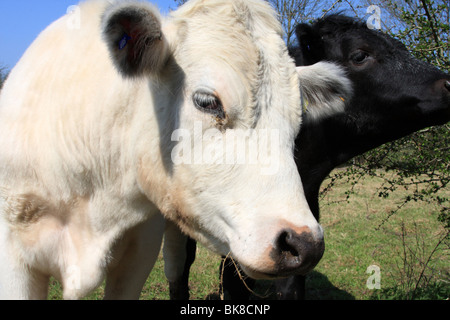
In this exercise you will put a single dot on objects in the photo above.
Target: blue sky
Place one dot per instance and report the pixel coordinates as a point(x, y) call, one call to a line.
point(23, 20)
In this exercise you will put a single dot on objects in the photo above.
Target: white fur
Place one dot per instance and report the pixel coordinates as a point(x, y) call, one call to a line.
point(325, 89)
point(85, 152)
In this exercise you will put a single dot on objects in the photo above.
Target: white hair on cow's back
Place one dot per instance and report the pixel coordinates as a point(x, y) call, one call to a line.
point(261, 15)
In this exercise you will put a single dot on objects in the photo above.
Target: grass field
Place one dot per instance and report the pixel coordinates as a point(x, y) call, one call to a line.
point(356, 237)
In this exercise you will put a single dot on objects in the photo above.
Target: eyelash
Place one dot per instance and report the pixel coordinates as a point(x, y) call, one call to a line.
point(209, 103)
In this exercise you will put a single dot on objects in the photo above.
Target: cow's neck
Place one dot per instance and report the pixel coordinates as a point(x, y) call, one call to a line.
point(324, 146)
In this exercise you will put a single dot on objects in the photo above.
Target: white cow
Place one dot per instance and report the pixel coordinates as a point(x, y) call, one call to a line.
point(105, 124)
point(324, 89)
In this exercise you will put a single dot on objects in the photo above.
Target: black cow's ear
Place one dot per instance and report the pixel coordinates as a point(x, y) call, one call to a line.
point(303, 31)
point(310, 44)
point(132, 31)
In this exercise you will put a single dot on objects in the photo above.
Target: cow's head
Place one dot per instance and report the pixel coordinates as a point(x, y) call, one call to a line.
point(394, 94)
point(226, 95)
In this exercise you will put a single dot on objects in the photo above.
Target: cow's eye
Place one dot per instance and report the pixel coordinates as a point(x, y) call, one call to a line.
point(359, 57)
point(208, 102)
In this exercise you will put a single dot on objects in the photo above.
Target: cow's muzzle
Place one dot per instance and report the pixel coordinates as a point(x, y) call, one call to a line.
point(297, 252)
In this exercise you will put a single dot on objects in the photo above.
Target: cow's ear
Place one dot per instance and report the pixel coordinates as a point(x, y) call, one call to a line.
point(303, 32)
point(325, 89)
point(132, 31)
point(310, 44)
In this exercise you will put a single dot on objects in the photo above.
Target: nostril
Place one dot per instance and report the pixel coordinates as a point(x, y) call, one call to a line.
point(287, 246)
point(447, 85)
point(298, 253)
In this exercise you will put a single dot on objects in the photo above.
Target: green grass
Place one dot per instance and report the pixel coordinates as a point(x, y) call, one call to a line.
point(203, 281)
point(356, 236)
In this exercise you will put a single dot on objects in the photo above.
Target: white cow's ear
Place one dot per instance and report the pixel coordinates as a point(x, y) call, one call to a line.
point(132, 31)
point(325, 88)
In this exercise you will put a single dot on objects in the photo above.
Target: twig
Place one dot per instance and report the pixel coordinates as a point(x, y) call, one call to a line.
point(331, 8)
point(240, 277)
point(427, 262)
point(433, 29)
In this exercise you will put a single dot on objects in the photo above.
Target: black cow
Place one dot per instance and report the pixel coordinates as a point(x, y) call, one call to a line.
point(394, 94)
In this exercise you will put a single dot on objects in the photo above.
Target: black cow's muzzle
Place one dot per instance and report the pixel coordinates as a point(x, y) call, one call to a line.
point(447, 85)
